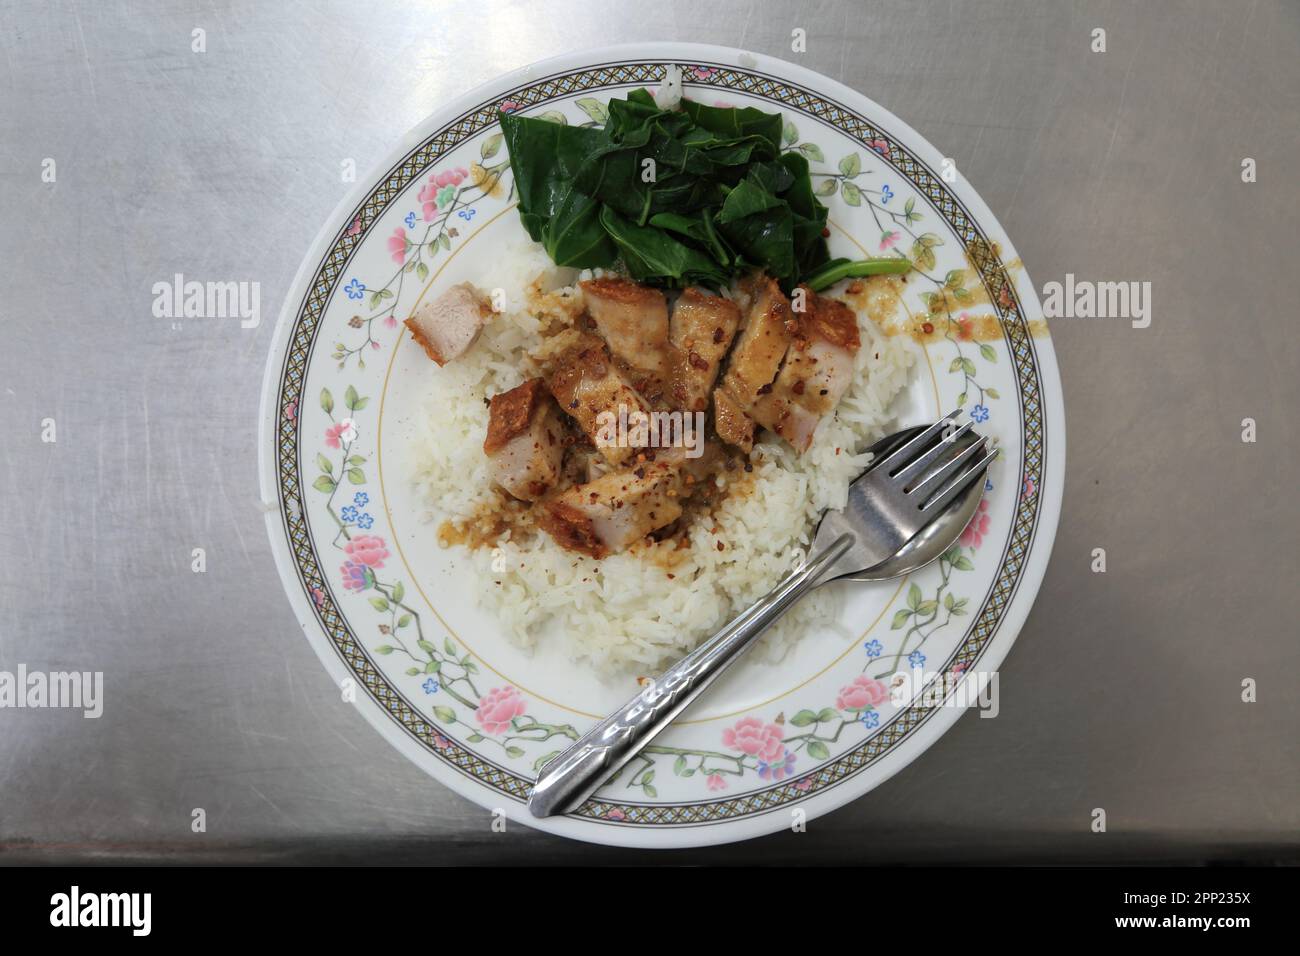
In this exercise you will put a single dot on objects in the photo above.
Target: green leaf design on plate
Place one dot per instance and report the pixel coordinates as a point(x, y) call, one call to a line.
point(446, 715)
point(851, 193)
point(595, 109)
point(326, 400)
point(813, 152)
point(818, 750)
point(986, 350)
point(324, 483)
point(803, 718)
point(544, 759)
point(851, 164)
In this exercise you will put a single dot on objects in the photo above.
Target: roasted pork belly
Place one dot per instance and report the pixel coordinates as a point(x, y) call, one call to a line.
point(633, 320)
point(446, 327)
point(755, 360)
point(524, 443)
point(587, 384)
point(817, 371)
point(701, 331)
point(616, 510)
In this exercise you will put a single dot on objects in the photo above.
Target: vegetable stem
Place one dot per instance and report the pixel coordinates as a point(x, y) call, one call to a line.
point(837, 269)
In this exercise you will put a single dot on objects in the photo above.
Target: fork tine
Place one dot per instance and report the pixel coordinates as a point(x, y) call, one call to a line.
point(904, 453)
point(919, 470)
point(944, 468)
point(945, 497)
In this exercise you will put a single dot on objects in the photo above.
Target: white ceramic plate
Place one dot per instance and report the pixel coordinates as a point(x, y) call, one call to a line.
point(389, 611)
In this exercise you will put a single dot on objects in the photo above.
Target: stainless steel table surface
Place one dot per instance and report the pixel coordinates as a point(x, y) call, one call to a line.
point(1124, 689)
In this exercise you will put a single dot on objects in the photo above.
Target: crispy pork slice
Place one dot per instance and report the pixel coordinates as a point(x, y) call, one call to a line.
point(701, 331)
point(446, 327)
point(590, 389)
point(755, 360)
point(524, 443)
point(613, 512)
point(818, 370)
point(730, 421)
point(632, 318)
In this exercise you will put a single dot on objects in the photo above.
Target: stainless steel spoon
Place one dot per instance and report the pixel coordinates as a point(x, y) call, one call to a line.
point(909, 506)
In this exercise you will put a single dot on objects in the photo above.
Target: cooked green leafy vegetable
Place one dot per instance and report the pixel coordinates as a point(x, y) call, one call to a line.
point(691, 196)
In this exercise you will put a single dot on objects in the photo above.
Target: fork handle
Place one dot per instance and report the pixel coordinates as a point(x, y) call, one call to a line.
point(569, 779)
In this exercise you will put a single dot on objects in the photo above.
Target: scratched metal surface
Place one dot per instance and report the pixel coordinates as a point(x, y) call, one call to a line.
point(1123, 690)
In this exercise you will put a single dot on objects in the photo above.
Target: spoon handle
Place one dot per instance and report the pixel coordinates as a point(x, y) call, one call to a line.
point(568, 780)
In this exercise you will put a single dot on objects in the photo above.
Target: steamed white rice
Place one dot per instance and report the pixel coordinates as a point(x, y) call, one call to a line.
point(636, 612)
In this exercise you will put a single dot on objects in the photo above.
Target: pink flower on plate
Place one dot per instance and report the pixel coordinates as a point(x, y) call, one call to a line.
point(803, 783)
point(1029, 488)
point(965, 326)
point(390, 322)
point(367, 549)
point(291, 411)
point(980, 521)
point(715, 782)
point(509, 106)
point(880, 146)
point(498, 707)
point(863, 694)
point(887, 239)
point(752, 736)
point(615, 814)
point(428, 195)
point(397, 245)
point(318, 597)
point(344, 431)
point(355, 228)
point(441, 742)
point(703, 72)
point(450, 177)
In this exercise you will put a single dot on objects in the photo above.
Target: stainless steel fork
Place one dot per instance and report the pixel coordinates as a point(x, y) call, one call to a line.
point(907, 508)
